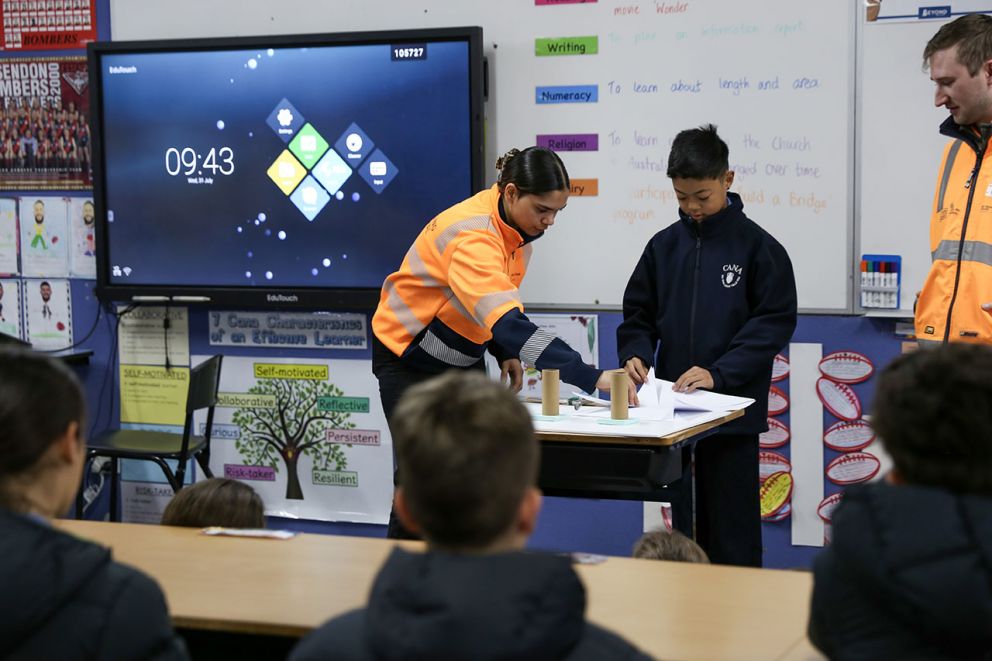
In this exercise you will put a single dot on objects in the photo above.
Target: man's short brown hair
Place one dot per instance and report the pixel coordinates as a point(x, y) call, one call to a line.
point(466, 454)
point(971, 33)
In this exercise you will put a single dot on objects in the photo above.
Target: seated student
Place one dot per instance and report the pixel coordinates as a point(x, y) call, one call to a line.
point(669, 545)
point(466, 449)
point(216, 501)
point(909, 573)
point(61, 597)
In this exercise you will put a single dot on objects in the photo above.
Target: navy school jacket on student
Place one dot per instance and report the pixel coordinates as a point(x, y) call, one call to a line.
point(438, 606)
point(720, 295)
point(64, 598)
point(908, 576)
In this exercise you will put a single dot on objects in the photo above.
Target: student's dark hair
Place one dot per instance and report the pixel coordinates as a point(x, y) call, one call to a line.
point(466, 454)
point(669, 545)
point(39, 398)
point(971, 33)
point(698, 154)
point(216, 501)
point(534, 171)
point(932, 412)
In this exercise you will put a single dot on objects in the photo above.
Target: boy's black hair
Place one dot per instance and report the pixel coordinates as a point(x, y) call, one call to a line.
point(932, 412)
point(698, 154)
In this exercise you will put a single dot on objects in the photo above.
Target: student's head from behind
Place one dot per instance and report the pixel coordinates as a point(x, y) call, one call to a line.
point(216, 502)
point(959, 57)
point(467, 460)
point(42, 416)
point(699, 167)
point(669, 545)
point(534, 186)
point(932, 413)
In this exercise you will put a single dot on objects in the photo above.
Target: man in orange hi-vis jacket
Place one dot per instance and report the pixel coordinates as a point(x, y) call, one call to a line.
point(956, 302)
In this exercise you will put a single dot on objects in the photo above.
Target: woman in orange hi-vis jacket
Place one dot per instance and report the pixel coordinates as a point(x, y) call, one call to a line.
point(456, 293)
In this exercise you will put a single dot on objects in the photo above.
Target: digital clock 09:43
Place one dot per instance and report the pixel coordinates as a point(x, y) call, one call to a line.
point(218, 160)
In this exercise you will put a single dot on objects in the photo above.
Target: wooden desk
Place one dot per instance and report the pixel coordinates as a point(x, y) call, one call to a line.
point(672, 611)
point(692, 433)
point(622, 467)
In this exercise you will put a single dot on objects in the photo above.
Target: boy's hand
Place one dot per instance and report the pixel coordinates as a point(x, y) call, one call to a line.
point(512, 368)
point(603, 383)
point(636, 370)
point(694, 377)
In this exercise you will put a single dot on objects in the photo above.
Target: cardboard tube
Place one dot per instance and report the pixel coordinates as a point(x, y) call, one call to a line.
point(618, 395)
point(549, 392)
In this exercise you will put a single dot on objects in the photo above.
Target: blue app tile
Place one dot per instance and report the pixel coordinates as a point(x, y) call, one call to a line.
point(378, 171)
point(310, 198)
point(285, 120)
point(354, 145)
point(331, 171)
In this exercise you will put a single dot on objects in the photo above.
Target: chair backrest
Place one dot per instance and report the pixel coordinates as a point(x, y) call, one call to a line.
point(204, 382)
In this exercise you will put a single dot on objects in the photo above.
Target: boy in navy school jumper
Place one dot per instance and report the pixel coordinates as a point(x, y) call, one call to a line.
point(710, 303)
point(466, 449)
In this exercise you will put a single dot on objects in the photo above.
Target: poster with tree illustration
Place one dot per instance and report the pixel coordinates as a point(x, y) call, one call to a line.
point(309, 436)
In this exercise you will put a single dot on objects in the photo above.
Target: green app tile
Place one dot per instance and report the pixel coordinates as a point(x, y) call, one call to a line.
point(308, 146)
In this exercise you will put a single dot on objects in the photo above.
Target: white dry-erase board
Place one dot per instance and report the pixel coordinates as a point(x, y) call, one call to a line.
point(899, 147)
point(776, 76)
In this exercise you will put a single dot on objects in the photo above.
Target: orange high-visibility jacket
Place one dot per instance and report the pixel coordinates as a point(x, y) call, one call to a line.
point(960, 278)
point(456, 293)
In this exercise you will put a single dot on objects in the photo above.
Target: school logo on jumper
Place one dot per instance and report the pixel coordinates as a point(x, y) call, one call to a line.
point(731, 275)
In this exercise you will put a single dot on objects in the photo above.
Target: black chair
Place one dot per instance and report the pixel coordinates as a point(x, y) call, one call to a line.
point(204, 381)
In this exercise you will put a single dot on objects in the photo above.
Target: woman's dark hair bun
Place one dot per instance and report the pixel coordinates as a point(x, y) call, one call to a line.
point(505, 159)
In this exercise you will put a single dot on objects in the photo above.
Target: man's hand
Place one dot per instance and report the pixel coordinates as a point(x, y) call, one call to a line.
point(636, 370)
point(512, 368)
point(694, 377)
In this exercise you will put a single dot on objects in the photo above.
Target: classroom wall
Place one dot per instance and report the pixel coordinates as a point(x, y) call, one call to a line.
point(608, 527)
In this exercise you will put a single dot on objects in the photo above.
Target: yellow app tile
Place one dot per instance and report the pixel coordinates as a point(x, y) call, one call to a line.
point(286, 172)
